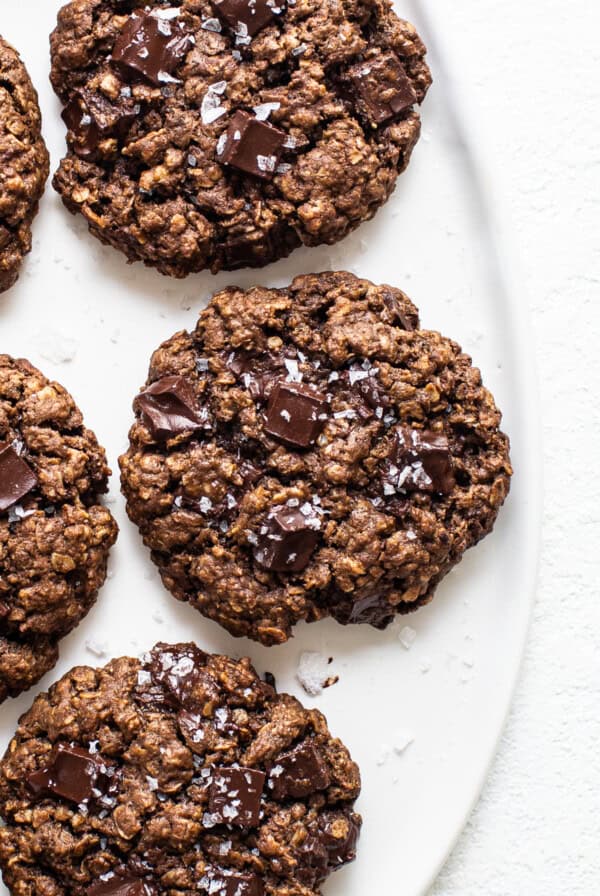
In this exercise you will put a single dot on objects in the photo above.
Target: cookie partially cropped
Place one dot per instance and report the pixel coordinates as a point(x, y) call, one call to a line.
point(55, 535)
point(180, 773)
point(310, 452)
point(24, 163)
point(224, 133)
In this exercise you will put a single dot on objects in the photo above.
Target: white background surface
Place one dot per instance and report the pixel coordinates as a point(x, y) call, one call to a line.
point(534, 70)
point(530, 73)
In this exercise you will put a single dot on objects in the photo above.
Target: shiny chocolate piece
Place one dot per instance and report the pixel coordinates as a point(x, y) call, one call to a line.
point(232, 883)
point(381, 88)
point(179, 676)
point(17, 478)
point(339, 834)
point(299, 772)
point(73, 774)
point(287, 540)
point(247, 17)
point(375, 610)
point(296, 414)
point(419, 460)
point(235, 796)
point(120, 885)
point(92, 118)
point(252, 146)
point(168, 408)
point(150, 47)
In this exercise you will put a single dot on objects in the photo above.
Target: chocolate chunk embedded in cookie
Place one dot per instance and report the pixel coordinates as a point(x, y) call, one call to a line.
point(24, 163)
point(345, 462)
point(183, 771)
point(54, 533)
point(225, 133)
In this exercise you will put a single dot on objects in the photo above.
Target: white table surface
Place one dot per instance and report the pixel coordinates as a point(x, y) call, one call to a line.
point(534, 73)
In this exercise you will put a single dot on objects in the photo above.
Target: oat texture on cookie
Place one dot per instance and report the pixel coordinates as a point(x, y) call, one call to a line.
point(180, 773)
point(223, 134)
point(55, 535)
point(310, 452)
point(24, 163)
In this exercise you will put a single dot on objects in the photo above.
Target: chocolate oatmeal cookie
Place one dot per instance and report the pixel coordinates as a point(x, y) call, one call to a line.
point(54, 534)
point(311, 452)
point(24, 163)
point(224, 133)
point(180, 774)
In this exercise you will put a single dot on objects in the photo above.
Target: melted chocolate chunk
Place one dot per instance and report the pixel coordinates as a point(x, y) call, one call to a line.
point(235, 796)
point(252, 146)
point(151, 47)
point(91, 118)
point(419, 460)
point(259, 375)
point(232, 883)
point(72, 774)
point(246, 17)
point(381, 88)
point(373, 610)
point(364, 380)
point(17, 478)
point(169, 408)
point(296, 414)
point(120, 885)
point(299, 772)
point(287, 540)
point(178, 678)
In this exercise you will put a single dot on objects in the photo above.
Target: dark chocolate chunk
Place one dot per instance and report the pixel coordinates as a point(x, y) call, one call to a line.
point(299, 772)
point(259, 375)
point(374, 609)
point(179, 675)
point(168, 408)
point(247, 17)
point(4, 610)
point(395, 314)
point(296, 413)
point(364, 380)
point(252, 146)
point(73, 774)
point(91, 118)
point(339, 834)
point(381, 88)
point(17, 478)
point(235, 796)
point(120, 885)
point(232, 883)
point(287, 540)
point(270, 679)
point(151, 47)
point(419, 460)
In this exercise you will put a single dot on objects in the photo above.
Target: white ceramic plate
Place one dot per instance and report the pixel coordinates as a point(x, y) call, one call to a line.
point(438, 240)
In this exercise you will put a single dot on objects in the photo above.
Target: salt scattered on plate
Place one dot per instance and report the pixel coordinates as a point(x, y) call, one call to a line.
point(313, 672)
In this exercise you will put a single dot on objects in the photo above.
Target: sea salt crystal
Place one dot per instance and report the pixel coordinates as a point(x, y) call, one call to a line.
point(97, 648)
point(293, 370)
point(56, 347)
point(407, 636)
point(383, 755)
point(312, 672)
point(402, 740)
point(211, 25)
point(263, 110)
